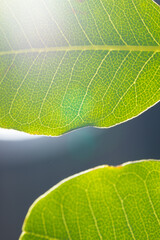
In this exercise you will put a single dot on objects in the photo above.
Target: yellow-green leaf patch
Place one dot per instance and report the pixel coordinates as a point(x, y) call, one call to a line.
point(66, 64)
point(104, 203)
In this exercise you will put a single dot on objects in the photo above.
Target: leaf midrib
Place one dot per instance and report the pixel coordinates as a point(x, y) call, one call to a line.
point(84, 48)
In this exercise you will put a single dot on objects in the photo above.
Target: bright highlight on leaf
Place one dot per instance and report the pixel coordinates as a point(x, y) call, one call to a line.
point(65, 64)
point(104, 203)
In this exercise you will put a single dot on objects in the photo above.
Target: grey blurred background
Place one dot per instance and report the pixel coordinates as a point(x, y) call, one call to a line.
point(29, 168)
point(157, 1)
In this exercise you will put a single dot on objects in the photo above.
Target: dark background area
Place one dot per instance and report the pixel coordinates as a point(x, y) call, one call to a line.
point(157, 1)
point(29, 168)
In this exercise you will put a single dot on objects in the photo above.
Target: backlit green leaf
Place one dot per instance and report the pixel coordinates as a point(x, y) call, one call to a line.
point(104, 203)
point(65, 64)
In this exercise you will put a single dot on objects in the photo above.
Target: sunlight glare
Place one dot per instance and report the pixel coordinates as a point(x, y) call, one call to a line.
point(13, 135)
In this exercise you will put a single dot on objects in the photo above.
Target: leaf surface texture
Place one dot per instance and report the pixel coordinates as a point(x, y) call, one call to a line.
point(66, 64)
point(104, 203)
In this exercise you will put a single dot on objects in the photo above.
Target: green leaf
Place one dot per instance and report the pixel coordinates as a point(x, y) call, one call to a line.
point(102, 203)
point(66, 64)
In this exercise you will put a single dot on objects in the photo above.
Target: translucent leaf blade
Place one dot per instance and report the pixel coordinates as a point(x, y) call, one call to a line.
point(68, 64)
